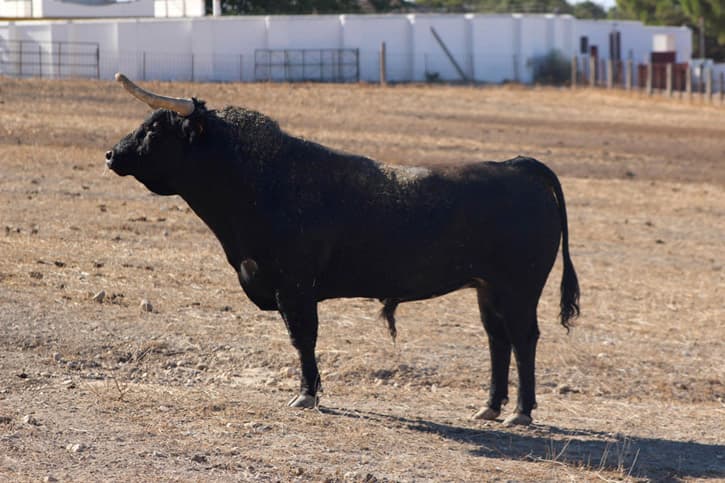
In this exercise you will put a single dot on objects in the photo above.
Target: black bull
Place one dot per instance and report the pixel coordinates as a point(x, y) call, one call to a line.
point(301, 223)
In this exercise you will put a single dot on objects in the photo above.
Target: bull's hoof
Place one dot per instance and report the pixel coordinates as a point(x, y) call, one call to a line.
point(518, 419)
point(304, 401)
point(487, 413)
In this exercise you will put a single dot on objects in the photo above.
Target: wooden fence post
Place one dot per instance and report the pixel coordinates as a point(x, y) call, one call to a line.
point(648, 84)
point(58, 68)
point(668, 79)
point(574, 71)
point(722, 87)
point(20, 59)
point(592, 71)
point(688, 82)
point(628, 75)
point(708, 84)
point(383, 73)
point(98, 62)
point(610, 73)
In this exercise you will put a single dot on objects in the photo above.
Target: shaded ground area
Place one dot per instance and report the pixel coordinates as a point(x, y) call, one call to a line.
point(195, 390)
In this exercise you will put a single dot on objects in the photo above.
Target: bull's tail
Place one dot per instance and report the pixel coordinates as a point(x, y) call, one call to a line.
point(388, 313)
point(569, 283)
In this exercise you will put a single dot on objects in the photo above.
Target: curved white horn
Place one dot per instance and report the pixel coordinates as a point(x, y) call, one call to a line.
point(183, 107)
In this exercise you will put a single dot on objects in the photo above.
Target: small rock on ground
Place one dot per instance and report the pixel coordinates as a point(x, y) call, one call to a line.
point(99, 297)
point(77, 448)
point(29, 419)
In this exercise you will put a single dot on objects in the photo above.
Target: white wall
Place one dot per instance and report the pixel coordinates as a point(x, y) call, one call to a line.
point(429, 57)
point(564, 40)
point(368, 32)
point(165, 47)
point(224, 47)
point(69, 9)
point(683, 40)
point(56, 8)
point(16, 8)
point(537, 40)
point(178, 8)
point(304, 32)
point(490, 48)
point(102, 32)
point(636, 39)
point(493, 44)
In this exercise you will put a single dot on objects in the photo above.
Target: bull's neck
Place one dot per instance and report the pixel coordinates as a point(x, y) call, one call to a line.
point(224, 204)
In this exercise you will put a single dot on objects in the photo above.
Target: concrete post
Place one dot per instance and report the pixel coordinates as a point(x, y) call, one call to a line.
point(628, 75)
point(648, 85)
point(592, 71)
point(574, 71)
point(668, 79)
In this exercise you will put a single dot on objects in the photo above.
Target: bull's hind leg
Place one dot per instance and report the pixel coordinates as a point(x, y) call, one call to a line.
point(500, 350)
point(524, 333)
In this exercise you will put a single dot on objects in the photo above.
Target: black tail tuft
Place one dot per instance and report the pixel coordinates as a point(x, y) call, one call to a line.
point(569, 294)
point(388, 313)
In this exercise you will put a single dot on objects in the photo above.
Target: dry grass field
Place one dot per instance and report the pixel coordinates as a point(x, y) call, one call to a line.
point(196, 389)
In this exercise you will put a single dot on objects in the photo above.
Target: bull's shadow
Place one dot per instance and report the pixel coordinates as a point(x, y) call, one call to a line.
point(655, 459)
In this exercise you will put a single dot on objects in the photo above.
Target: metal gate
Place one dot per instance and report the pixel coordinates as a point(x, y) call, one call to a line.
point(28, 58)
point(307, 65)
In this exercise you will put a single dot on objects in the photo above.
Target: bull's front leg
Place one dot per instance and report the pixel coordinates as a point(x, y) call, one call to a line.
point(299, 311)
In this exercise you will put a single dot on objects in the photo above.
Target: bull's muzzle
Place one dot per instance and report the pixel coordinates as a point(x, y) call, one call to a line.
point(109, 159)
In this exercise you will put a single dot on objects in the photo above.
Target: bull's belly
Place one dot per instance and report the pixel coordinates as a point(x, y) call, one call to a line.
point(423, 268)
point(394, 291)
point(399, 278)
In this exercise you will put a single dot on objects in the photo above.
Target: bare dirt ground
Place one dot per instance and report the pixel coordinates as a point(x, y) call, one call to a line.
point(196, 389)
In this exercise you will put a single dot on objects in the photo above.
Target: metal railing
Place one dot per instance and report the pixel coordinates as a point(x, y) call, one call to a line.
point(29, 58)
point(307, 65)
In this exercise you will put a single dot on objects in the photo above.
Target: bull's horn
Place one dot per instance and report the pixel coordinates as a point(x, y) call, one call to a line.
point(183, 107)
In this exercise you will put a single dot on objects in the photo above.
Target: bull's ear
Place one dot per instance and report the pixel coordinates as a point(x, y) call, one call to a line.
point(193, 129)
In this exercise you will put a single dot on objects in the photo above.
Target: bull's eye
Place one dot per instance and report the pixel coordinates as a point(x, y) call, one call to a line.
point(155, 126)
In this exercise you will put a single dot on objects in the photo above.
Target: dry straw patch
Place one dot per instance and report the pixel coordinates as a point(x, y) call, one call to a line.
point(196, 388)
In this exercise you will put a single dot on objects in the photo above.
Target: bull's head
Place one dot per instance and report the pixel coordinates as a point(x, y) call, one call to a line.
point(154, 152)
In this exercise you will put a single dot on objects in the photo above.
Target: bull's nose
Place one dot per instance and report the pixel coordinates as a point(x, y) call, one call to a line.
point(109, 158)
